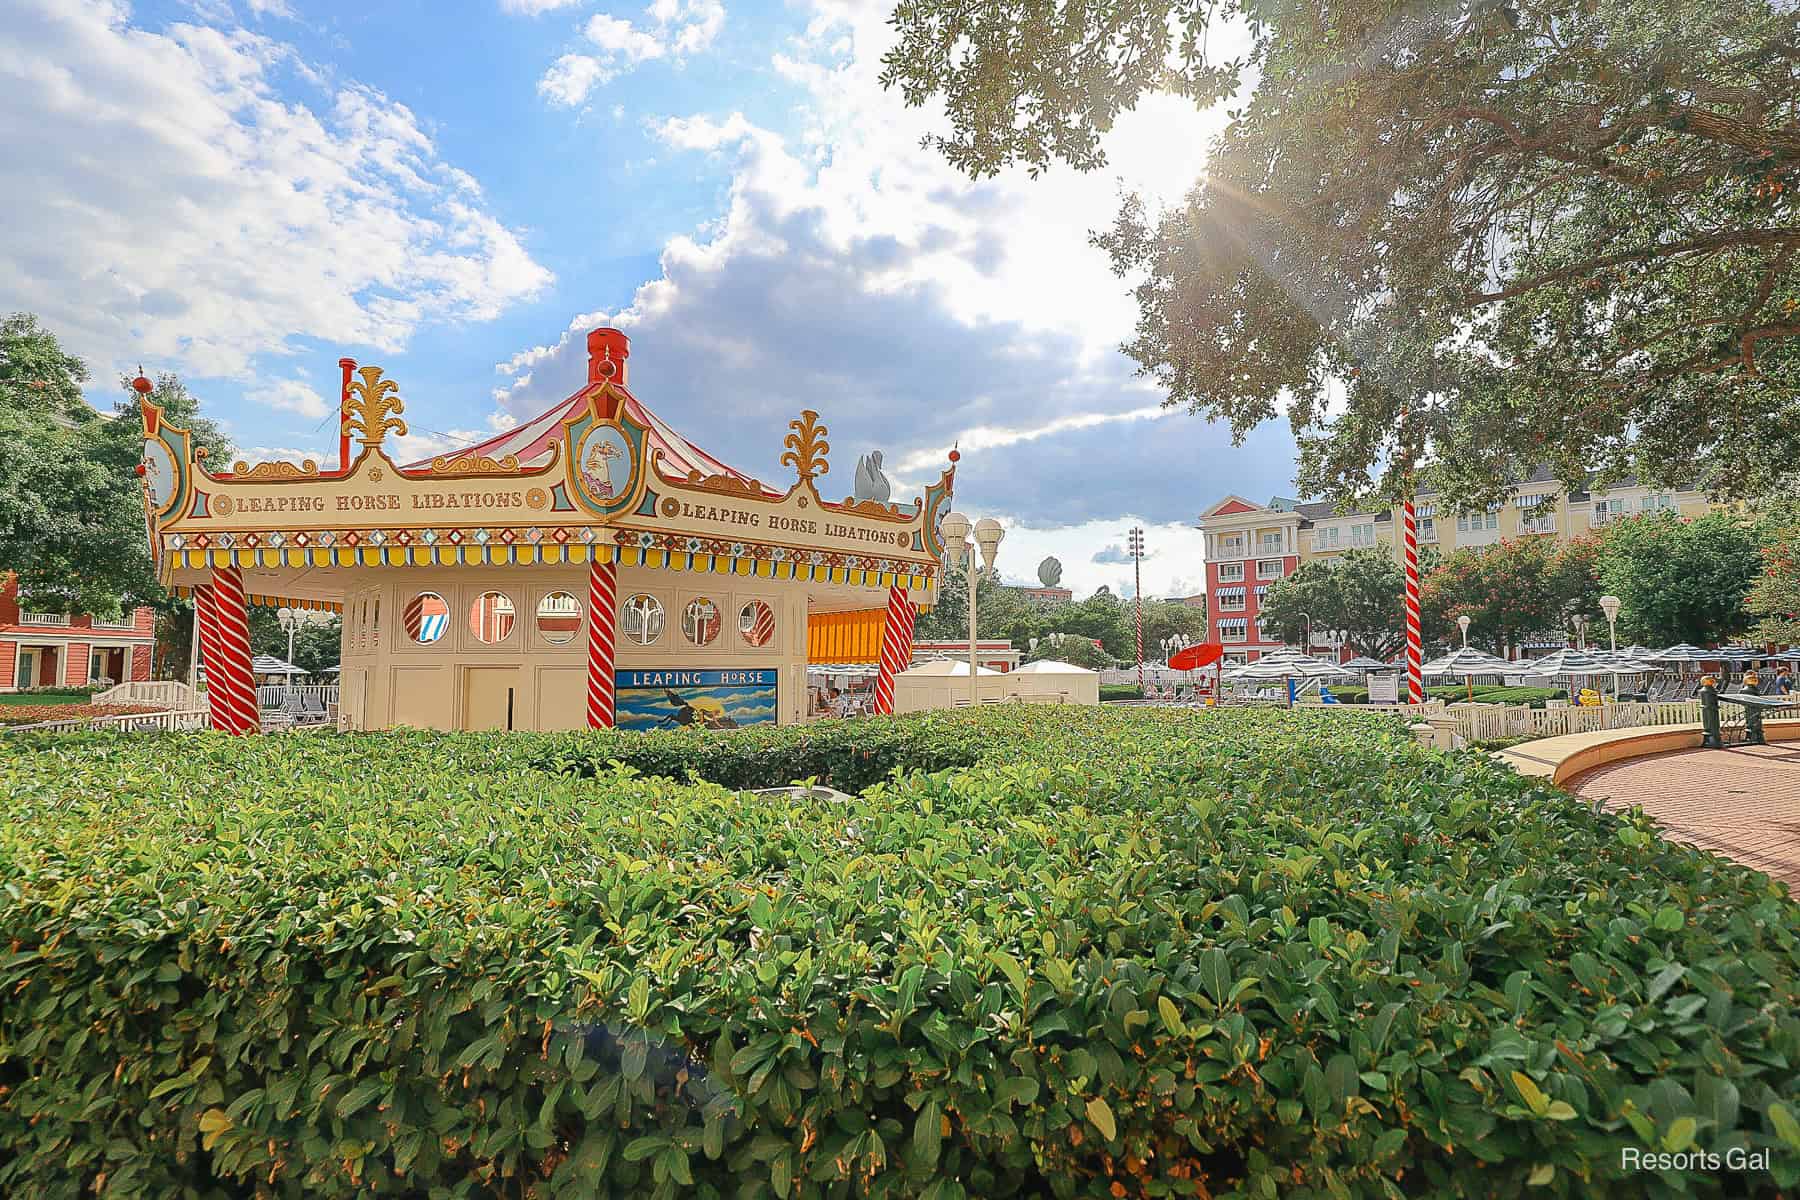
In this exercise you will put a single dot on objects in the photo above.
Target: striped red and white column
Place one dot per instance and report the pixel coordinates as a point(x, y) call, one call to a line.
point(1415, 644)
point(896, 647)
point(230, 683)
point(603, 629)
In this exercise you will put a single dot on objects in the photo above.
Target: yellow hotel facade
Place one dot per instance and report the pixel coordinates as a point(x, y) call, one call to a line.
point(1250, 547)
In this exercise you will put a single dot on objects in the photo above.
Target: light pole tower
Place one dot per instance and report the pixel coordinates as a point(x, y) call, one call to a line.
point(1135, 541)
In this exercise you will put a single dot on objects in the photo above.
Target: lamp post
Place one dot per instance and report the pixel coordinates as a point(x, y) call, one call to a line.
point(1610, 605)
point(1462, 623)
point(1580, 622)
point(290, 624)
point(1307, 649)
point(1135, 541)
point(987, 533)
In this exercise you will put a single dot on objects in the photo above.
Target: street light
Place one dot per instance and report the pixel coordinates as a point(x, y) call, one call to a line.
point(987, 533)
point(1580, 622)
point(290, 624)
point(1307, 649)
point(1610, 605)
point(1462, 623)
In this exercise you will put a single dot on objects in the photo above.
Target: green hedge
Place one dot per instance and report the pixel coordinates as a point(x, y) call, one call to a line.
point(1129, 953)
point(1120, 691)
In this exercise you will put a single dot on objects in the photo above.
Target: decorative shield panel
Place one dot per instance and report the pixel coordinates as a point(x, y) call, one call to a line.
point(606, 463)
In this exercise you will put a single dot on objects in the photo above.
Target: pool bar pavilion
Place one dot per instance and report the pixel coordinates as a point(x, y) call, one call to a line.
point(590, 567)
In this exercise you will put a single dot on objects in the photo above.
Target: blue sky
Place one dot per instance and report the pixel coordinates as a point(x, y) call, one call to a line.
point(245, 190)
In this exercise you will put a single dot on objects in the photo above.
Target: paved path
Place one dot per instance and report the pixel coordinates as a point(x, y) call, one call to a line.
point(1743, 802)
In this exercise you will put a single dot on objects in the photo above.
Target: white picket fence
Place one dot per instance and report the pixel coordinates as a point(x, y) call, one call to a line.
point(168, 693)
point(195, 718)
point(275, 695)
point(1485, 722)
point(1480, 722)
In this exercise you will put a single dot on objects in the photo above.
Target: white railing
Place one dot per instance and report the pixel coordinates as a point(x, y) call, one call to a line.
point(1481, 722)
point(135, 722)
point(41, 618)
point(274, 695)
point(108, 623)
point(169, 693)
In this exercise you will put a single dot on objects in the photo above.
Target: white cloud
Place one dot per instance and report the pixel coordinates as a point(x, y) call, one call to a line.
point(675, 28)
point(856, 273)
point(170, 199)
point(535, 8)
point(290, 395)
point(271, 8)
point(570, 79)
point(1177, 557)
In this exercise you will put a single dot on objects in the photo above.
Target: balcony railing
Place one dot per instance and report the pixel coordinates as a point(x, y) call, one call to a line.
point(114, 623)
point(43, 618)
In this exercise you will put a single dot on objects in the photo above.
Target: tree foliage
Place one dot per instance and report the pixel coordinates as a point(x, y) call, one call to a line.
point(1361, 593)
point(1510, 591)
point(1680, 580)
point(1493, 233)
point(71, 508)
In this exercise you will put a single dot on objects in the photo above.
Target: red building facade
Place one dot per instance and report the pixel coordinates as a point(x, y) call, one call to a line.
point(39, 649)
point(1248, 548)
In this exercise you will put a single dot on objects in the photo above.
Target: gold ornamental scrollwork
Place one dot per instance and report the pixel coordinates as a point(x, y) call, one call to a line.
point(372, 401)
point(807, 446)
point(244, 472)
point(474, 464)
point(725, 485)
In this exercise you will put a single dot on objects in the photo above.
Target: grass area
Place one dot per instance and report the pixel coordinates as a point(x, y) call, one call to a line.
point(1040, 952)
point(47, 696)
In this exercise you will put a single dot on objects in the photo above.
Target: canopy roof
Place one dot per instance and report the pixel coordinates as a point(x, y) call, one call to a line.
point(1051, 666)
point(598, 477)
point(947, 666)
point(535, 443)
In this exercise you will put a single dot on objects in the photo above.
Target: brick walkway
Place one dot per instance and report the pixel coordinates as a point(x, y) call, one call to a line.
point(1743, 802)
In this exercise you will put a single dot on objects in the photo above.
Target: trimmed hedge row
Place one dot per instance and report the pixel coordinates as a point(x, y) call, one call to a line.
point(1129, 953)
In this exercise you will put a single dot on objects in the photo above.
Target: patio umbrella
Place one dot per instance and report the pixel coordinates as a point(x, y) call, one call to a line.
point(268, 664)
point(1365, 663)
point(1467, 664)
point(1567, 661)
point(1685, 652)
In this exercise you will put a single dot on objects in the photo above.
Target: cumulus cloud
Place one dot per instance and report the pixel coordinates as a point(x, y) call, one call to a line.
point(198, 197)
point(615, 45)
point(853, 273)
point(291, 395)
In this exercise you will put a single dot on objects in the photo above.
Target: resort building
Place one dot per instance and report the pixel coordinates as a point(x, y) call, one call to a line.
point(1251, 546)
point(46, 649)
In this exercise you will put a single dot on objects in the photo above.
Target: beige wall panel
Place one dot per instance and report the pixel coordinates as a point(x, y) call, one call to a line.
point(421, 697)
point(561, 698)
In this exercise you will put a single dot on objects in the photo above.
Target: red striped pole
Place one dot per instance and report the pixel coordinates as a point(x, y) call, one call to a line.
point(603, 621)
point(896, 647)
point(1415, 648)
point(231, 622)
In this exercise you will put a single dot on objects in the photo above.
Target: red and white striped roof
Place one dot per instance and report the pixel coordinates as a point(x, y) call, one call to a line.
point(532, 440)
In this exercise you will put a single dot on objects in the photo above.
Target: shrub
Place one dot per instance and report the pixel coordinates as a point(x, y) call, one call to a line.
point(1129, 953)
point(1120, 691)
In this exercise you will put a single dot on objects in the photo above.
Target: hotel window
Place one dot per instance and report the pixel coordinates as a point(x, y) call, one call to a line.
point(1362, 535)
point(1662, 503)
point(1233, 631)
point(1272, 543)
point(1326, 538)
point(1232, 547)
point(1262, 592)
point(1476, 522)
point(1269, 569)
point(1232, 572)
point(1427, 529)
point(1229, 599)
point(1607, 511)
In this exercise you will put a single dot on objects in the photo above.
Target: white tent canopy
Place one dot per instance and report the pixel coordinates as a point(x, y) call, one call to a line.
point(1051, 666)
point(945, 666)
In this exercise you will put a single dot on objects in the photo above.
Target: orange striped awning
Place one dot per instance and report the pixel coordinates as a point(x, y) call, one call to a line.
point(845, 637)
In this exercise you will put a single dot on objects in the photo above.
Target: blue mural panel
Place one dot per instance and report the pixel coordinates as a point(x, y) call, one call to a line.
point(670, 698)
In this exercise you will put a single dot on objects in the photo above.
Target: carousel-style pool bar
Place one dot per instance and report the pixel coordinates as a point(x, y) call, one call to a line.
point(695, 584)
